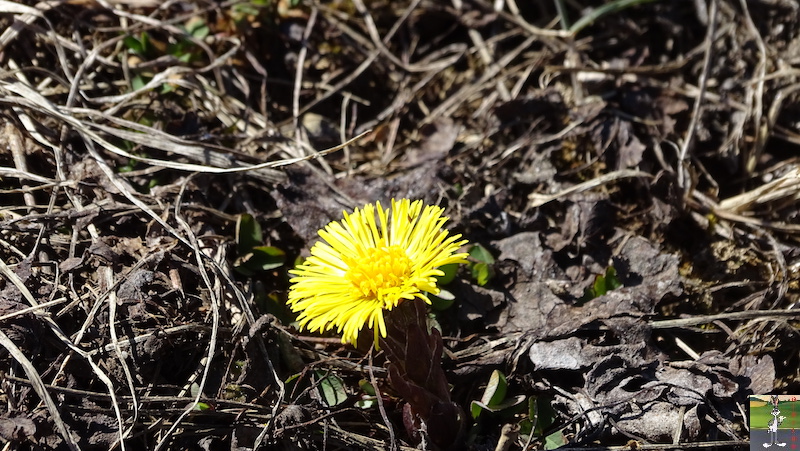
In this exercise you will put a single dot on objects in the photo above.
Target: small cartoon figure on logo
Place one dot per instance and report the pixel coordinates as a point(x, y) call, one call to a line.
point(774, 423)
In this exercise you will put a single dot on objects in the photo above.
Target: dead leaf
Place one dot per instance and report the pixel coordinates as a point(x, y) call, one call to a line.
point(17, 429)
point(70, 263)
point(477, 302)
point(438, 138)
point(558, 355)
point(643, 266)
point(133, 288)
point(757, 373)
point(629, 148)
point(586, 221)
point(309, 202)
point(532, 302)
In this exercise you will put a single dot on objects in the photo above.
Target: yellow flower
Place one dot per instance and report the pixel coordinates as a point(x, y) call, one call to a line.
point(369, 262)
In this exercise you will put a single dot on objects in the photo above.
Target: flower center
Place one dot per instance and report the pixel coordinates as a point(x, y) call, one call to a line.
point(380, 272)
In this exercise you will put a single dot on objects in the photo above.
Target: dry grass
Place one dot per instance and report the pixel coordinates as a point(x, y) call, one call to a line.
point(135, 134)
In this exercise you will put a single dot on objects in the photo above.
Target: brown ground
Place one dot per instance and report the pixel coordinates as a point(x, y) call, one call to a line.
point(659, 139)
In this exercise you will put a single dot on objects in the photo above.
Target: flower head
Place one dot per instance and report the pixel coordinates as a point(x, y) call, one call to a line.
point(369, 262)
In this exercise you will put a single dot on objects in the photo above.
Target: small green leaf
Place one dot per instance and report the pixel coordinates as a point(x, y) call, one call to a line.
point(265, 258)
point(136, 45)
point(368, 400)
point(496, 389)
point(481, 254)
point(544, 414)
point(240, 266)
point(203, 406)
point(138, 82)
point(602, 284)
point(481, 265)
point(527, 425)
point(599, 287)
point(493, 395)
point(482, 273)
point(271, 251)
point(197, 27)
point(366, 403)
point(442, 301)
point(201, 32)
point(476, 407)
point(367, 387)
point(254, 262)
point(331, 387)
point(240, 11)
point(554, 440)
point(506, 404)
point(153, 182)
point(130, 166)
point(449, 271)
point(612, 281)
point(532, 407)
point(248, 233)
point(261, 258)
point(184, 57)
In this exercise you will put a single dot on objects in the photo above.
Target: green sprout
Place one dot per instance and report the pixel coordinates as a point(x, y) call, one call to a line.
point(602, 284)
point(481, 264)
point(254, 257)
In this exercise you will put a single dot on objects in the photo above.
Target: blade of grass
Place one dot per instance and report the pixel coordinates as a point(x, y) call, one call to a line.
point(597, 13)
